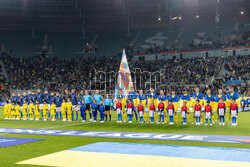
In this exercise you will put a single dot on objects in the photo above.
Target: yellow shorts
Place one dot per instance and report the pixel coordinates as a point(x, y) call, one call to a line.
point(176, 105)
point(135, 102)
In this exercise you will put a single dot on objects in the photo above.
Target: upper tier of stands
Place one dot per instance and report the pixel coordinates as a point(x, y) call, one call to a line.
point(45, 67)
point(66, 45)
point(195, 36)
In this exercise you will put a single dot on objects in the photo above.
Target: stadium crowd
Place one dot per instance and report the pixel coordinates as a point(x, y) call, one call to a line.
point(239, 68)
point(190, 71)
point(53, 73)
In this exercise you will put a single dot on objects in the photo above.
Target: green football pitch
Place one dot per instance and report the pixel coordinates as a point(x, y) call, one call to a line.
point(9, 156)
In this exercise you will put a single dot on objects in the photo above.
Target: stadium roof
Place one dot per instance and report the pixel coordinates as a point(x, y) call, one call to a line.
point(104, 15)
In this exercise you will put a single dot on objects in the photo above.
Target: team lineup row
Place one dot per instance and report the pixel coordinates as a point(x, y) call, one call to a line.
point(149, 108)
point(67, 111)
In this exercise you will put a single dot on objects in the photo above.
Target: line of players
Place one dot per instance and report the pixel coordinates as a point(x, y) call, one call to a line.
point(43, 106)
point(158, 107)
point(148, 108)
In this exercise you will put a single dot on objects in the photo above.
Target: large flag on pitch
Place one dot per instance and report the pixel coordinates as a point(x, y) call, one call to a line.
point(124, 80)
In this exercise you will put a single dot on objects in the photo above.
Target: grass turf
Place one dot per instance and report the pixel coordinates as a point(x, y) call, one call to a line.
point(11, 155)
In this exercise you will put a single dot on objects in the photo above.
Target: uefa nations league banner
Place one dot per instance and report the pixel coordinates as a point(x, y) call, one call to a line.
point(131, 135)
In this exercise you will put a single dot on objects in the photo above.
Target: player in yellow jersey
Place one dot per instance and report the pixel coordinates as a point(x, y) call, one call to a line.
point(53, 111)
point(175, 101)
point(45, 111)
point(25, 108)
point(152, 99)
point(69, 110)
point(197, 95)
point(134, 97)
point(210, 97)
point(12, 111)
point(185, 97)
point(37, 113)
point(146, 109)
point(232, 95)
point(17, 111)
point(31, 110)
point(162, 97)
point(217, 101)
point(143, 99)
point(9, 109)
point(6, 109)
point(64, 109)
point(124, 103)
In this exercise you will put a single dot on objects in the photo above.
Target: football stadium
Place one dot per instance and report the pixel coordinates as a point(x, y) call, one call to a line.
point(124, 83)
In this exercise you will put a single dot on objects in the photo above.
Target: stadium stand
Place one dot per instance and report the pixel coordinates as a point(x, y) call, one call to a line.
point(118, 83)
point(47, 60)
point(198, 36)
point(42, 71)
point(238, 68)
